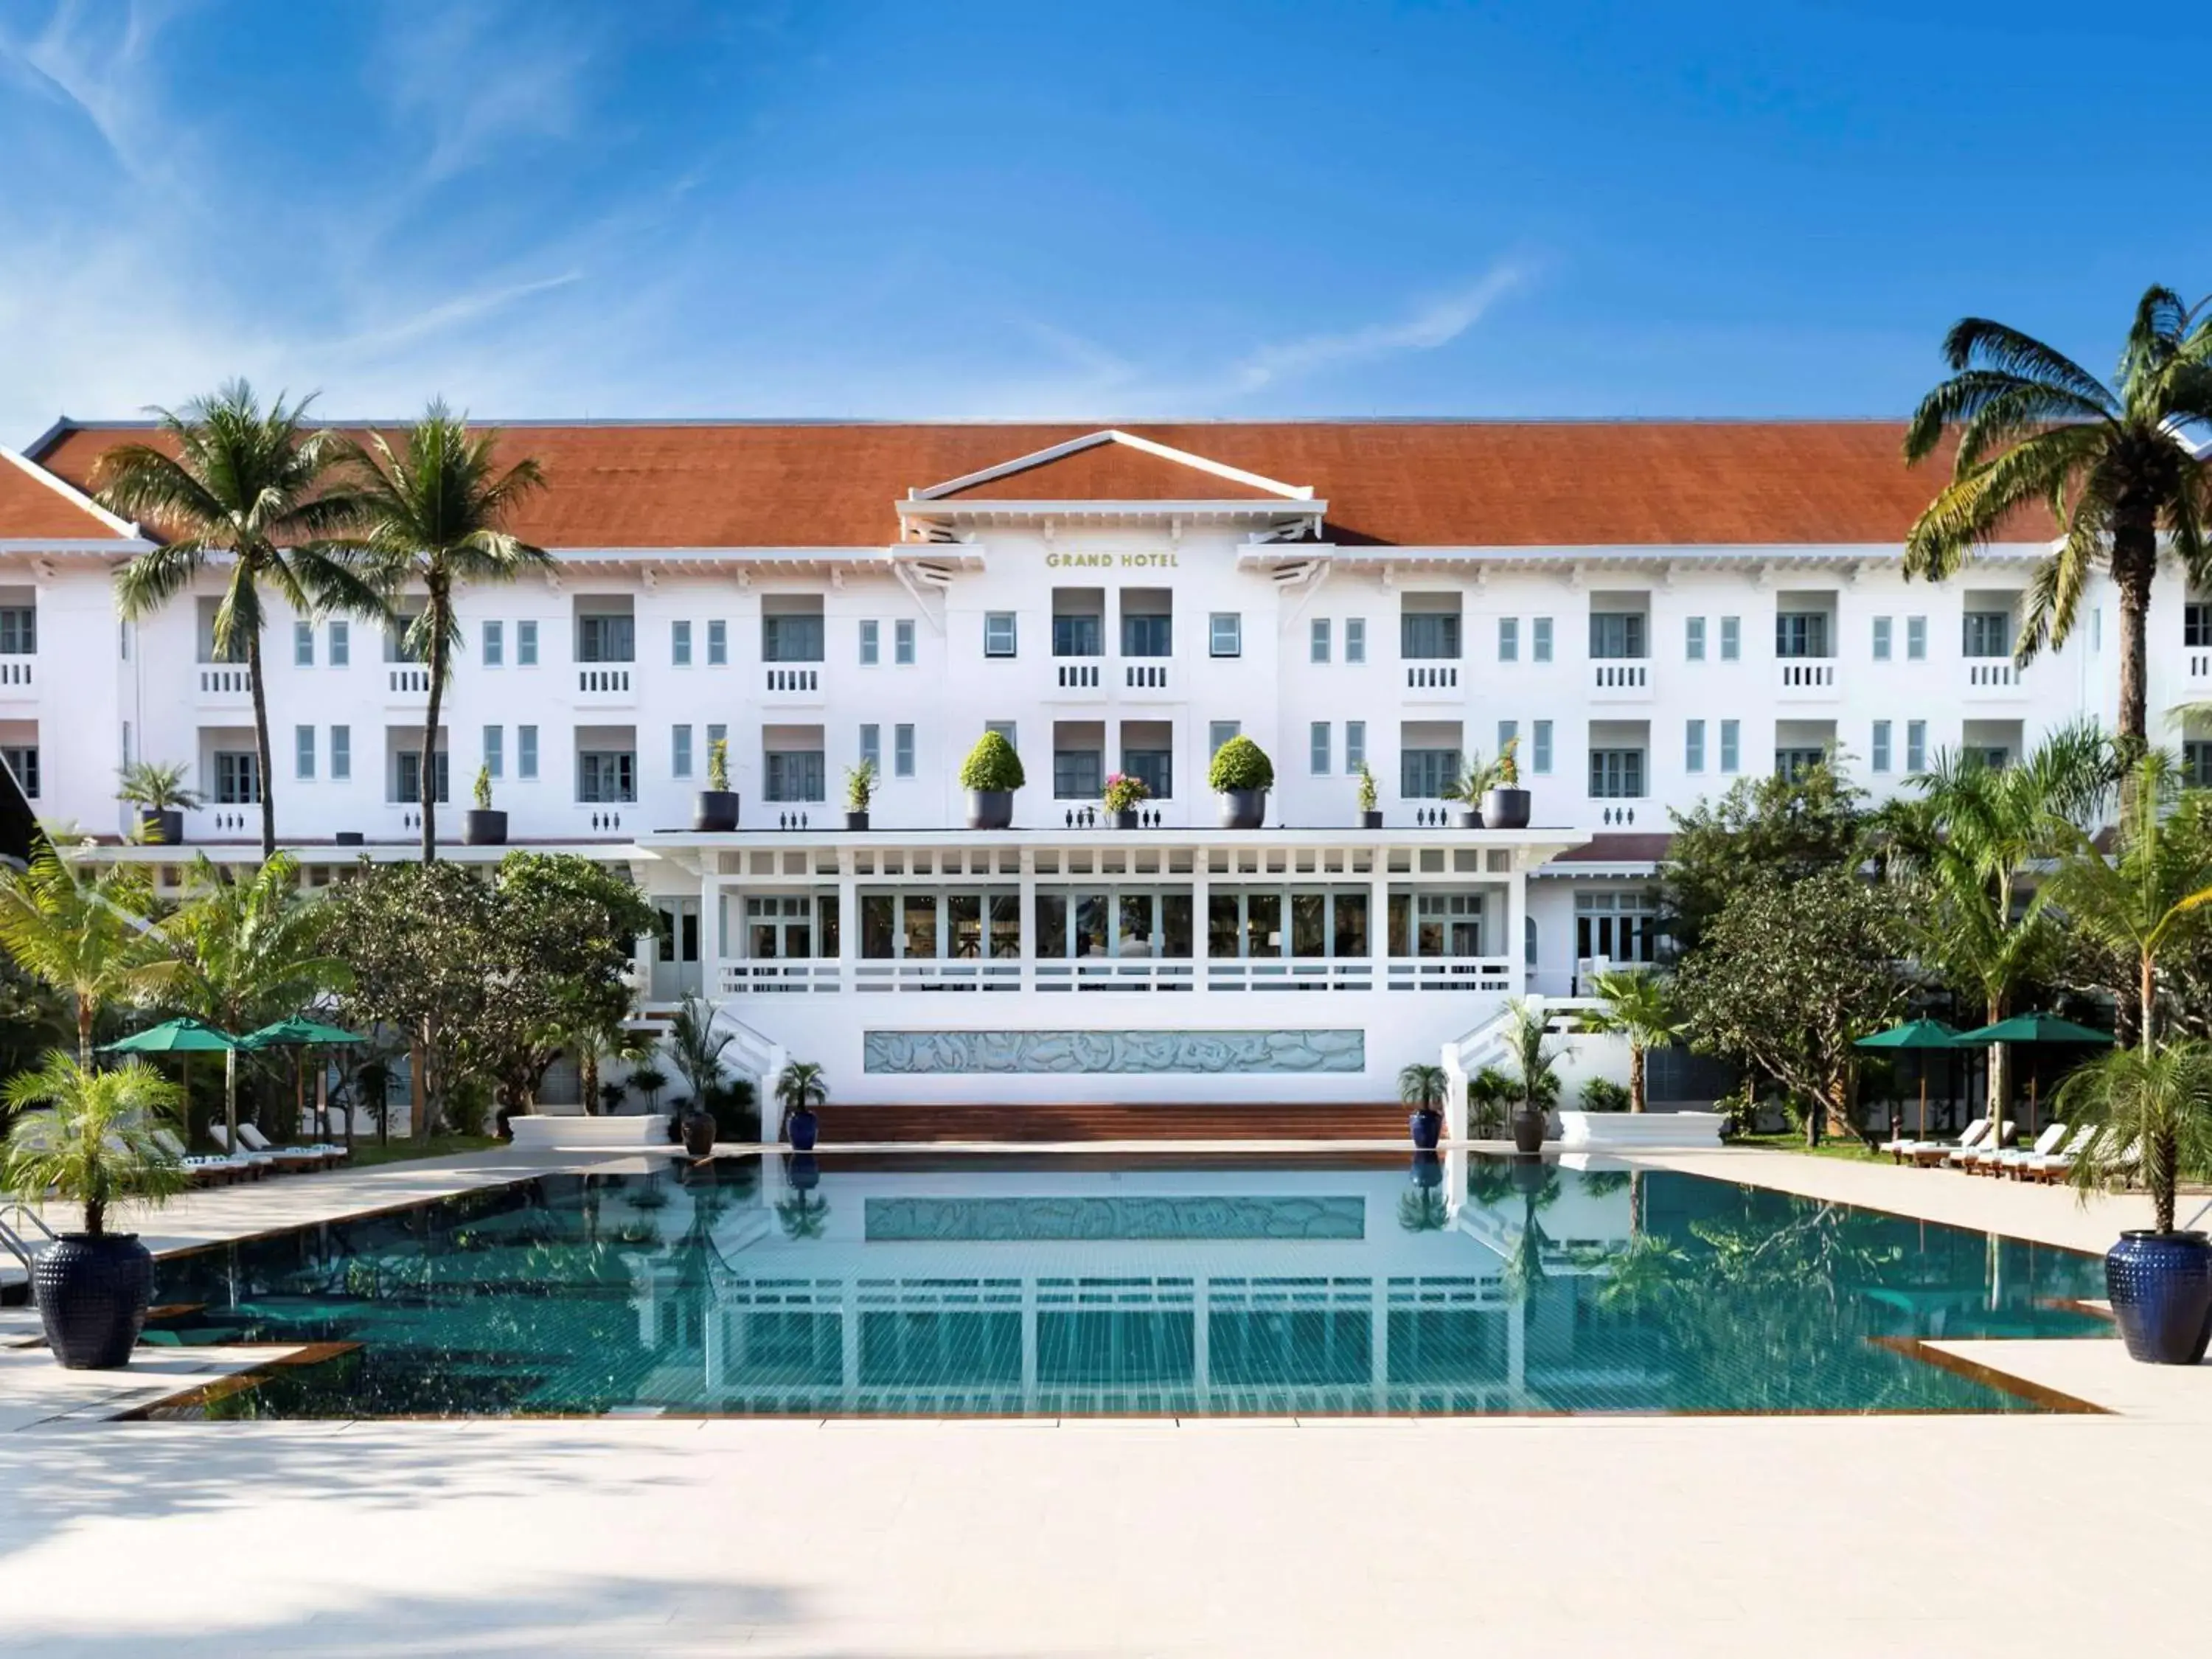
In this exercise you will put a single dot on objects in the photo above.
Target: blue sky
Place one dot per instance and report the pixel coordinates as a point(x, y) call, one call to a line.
point(668, 206)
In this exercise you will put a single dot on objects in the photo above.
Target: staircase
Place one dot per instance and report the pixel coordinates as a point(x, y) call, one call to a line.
point(852, 1125)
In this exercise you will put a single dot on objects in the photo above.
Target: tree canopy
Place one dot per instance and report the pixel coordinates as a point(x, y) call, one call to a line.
point(1773, 830)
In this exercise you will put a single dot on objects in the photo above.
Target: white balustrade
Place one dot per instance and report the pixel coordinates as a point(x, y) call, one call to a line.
point(225, 681)
point(14, 671)
point(1806, 677)
point(603, 682)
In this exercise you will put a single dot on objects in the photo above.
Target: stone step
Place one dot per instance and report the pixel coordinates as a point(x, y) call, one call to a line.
point(1107, 1120)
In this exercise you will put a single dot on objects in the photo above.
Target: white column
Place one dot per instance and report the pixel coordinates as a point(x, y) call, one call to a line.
point(1026, 889)
point(1201, 898)
point(849, 921)
point(1516, 925)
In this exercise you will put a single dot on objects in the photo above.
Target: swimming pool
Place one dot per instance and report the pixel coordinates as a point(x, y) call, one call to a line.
point(929, 1285)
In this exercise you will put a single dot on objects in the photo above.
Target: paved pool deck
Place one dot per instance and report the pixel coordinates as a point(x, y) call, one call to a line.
point(1956, 1537)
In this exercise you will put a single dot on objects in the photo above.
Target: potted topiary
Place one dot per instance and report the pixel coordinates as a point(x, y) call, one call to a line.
point(859, 791)
point(88, 1137)
point(714, 808)
point(990, 775)
point(1505, 804)
point(159, 793)
point(1538, 1084)
point(1469, 789)
point(484, 827)
point(1371, 815)
point(1422, 1087)
point(1242, 774)
point(801, 1090)
point(1123, 795)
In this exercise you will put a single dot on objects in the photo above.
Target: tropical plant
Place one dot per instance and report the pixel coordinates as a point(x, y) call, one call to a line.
point(801, 1087)
point(1239, 764)
point(89, 1136)
point(803, 1216)
point(859, 785)
point(1473, 782)
point(1639, 1005)
point(992, 766)
point(2152, 1109)
point(648, 1080)
point(228, 486)
point(82, 933)
point(1603, 1094)
point(1529, 1042)
point(153, 786)
point(1424, 1210)
point(1508, 766)
point(432, 513)
point(695, 1046)
point(1422, 1087)
point(611, 1094)
point(1367, 795)
point(717, 765)
point(2110, 463)
point(483, 789)
point(1774, 830)
point(1125, 793)
point(1489, 1092)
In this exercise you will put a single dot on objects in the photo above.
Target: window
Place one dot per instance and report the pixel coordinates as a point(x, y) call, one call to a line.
point(607, 639)
point(1424, 773)
point(123, 639)
point(525, 644)
point(1693, 746)
point(1078, 635)
point(1540, 759)
point(1540, 639)
point(19, 632)
point(1155, 766)
point(1147, 633)
point(1880, 757)
point(1508, 639)
point(872, 747)
point(1224, 634)
point(1790, 764)
point(407, 777)
point(1076, 774)
point(303, 752)
point(1355, 742)
point(23, 761)
point(1317, 747)
point(1616, 773)
point(795, 637)
point(679, 642)
point(2195, 763)
point(871, 644)
point(340, 752)
point(1429, 636)
point(1616, 634)
point(1693, 639)
point(303, 640)
point(1507, 732)
point(716, 733)
point(1317, 641)
point(1801, 633)
point(1355, 639)
point(526, 751)
point(1988, 634)
point(341, 644)
point(607, 776)
point(495, 750)
point(1617, 926)
point(902, 751)
point(679, 752)
point(1916, 639)
point(796, 775)
point(2196, 625)
point(998, 633)
point(495, 644)
point(1883, 631)
point(718, 644)
point(1006, 729)
point(1731, 745)
point(1915, 745)
point(902, 644)
point(237, 779)
point(1731, 638)
point(1219, 732)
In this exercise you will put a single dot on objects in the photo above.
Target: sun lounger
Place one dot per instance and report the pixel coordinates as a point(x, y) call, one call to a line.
point(206, 1170)
point(2007, 1161)
point(1927, 1153)
point(262, 1163)
point(2055, 1163)
point(316, 1157)
point(1962, 1158)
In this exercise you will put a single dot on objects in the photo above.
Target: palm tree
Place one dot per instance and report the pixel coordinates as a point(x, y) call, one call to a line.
point(90, 1135)
point(82, 933)
point(245, 485)
point(2152, 1109)
point(2110, 462)
point(1640, 1006)
point(1529, 1042)
point(1422, 1087)
point(432, 514)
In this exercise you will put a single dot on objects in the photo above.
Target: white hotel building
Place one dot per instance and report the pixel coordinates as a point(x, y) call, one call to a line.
point(1653, 609)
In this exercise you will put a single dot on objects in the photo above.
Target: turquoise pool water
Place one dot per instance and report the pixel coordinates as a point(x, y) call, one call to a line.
point(923, 1285)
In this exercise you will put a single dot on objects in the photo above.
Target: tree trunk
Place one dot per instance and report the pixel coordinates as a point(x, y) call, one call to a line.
point(2135, 563)
point(1635, 1077)
point(84, 1031)
point(2147, 995)
point(261, 746)
point(588, 1075)
point(435, 617)
point(2000, 1064)
point(2160, 1172)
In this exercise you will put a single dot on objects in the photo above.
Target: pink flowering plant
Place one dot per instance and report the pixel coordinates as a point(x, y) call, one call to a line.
point(1124, 794)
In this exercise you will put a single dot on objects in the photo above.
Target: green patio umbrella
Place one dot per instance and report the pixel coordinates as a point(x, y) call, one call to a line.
point(2036, 1029)
point(1917, 1034)
point(186, 1036)
point(298, 1031)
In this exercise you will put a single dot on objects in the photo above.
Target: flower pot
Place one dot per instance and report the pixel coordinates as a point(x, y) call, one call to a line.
point(92, 1296)
point(990, 808)
point(1505, 809)
point(802, 1129)
point(856, 821)
point(1371, 820)
point(2160, 1286)
point(1428, 1126)
point(803, 1171)
point(1467, 818)
point(699, 1132)
point(1428, 1170)
point(485, 827)
point(1126, 818)
point(1242, 809)
point(1529, 1124)
point(714, 811)
point(160, 827)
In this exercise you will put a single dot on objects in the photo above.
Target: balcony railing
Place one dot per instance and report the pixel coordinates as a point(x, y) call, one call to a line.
point(1432, 677)
point(791, 683)
point(1620, 680)
point(1806, 678)
point(1146, 678)
point(1998, 676)
point(15, 670)
point(1216, 975)
point(603, 681)
point(2199, 666)
point(409, 682)
point(225, 680)
point(1077, 674)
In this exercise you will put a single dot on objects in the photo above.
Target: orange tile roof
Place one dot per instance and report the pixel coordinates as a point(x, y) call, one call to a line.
point(1414, 483)
point(31, 507)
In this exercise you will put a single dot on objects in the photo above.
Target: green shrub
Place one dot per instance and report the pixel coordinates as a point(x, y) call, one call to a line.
point(1603, 1094)
point(1240, 763)
point(992, 765)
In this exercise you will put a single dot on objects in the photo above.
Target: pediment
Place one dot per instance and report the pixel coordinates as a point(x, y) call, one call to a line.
point(1112, 465)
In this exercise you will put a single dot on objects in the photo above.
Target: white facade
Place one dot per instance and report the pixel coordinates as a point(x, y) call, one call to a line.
point(1637, 678)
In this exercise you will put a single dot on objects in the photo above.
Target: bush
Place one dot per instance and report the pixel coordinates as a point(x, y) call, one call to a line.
point(737, 1115)
point(1239, 764)
point(1603, 1094)
point(992, 765)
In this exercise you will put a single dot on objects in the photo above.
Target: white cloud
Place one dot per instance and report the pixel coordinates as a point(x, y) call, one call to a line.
point(1437, 323)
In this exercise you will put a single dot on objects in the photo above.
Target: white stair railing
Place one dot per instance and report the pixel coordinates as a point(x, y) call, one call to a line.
point(1491, 1042)
point(756, 1055)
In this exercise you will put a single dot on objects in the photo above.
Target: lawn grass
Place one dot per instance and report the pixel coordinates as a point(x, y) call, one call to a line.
point(367, 1152)
point(1851, 1151)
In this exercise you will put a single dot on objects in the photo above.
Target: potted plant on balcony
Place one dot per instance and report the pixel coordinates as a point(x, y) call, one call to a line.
point(1123, 795)
point(159, 793)
point(714, 808)
point(990, 775)
point(1242, 774)
point(1505, 804)
point(1469, 789)
point(485, 827)
point(88, 1137)
point(1422, 1088)
point(859, 791)
point(801, 1090)
point(1371, 815)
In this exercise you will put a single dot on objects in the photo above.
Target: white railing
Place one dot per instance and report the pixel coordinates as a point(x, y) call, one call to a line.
point(788, 974)
point(1491, 1042)
point(1145, 676)
point(1620, 678)
point(603, 682)
point(1804, 675)
point(958, 974)
point(1292, 974)
point(2200, 664)
point(409, 681)
point(1115, 973)
point(793, 681)
point(226, 682)
point(1449, 974)
point(14, 671)
point(1432, 676)
point(1076, 674)
point(1994, 674)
